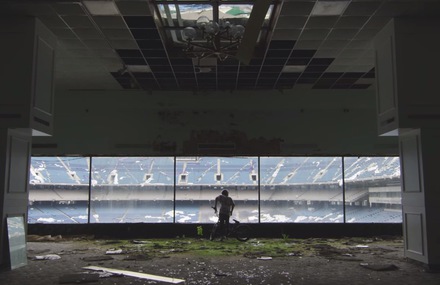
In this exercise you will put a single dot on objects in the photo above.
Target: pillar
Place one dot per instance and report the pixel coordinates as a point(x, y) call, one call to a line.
point(15, 149)
point(421, 194)
point(408, 106)
point(27, 57)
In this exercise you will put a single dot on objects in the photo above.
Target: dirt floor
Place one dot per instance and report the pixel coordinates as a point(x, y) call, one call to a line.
point(61, 260)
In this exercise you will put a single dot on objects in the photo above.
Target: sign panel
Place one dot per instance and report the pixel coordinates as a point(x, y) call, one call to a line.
point(17, 242)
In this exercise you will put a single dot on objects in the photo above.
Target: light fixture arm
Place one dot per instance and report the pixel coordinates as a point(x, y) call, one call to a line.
point(217, 40)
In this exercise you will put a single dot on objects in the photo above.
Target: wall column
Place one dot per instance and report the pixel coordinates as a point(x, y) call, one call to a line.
point(15, 150)
point(27, 57)
point(408, 106)
point(421, 194)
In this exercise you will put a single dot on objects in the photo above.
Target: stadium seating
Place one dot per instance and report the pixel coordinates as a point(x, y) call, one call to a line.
point(141, 189)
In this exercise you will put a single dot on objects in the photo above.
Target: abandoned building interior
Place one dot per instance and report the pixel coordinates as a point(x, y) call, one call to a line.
point(320, 117)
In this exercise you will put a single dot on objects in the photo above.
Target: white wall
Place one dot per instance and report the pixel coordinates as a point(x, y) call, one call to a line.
point(261, 122)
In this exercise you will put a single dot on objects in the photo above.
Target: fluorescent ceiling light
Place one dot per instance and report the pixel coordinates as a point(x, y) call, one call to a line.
point(329, 8)
point(293, 68)
point(138, 68)
point(102, 8)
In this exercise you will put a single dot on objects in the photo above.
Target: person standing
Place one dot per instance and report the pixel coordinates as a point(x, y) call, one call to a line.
point(226, 208)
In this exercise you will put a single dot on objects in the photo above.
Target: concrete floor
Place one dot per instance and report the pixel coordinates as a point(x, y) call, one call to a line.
point(198, 261)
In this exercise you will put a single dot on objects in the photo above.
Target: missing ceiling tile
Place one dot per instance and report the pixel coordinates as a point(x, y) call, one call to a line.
point(102, 8)
point(329, 8)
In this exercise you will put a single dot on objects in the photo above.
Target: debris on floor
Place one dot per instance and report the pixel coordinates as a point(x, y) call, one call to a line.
point(264, 258)
point(47, 257)
point(108, 274)
point(34, 238)
point(137, 274)
point(140, 241)
point(78, 278)
point(97, 258)
point(203, 262)
point(137, 257)
point(379, 267)
point(114, 251)
point(40, 251)
point(111, 241)
point(220, 273)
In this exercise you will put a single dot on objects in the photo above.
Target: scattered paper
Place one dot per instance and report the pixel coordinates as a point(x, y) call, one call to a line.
point(265, 258)
point(116, 251)
point(47, 257)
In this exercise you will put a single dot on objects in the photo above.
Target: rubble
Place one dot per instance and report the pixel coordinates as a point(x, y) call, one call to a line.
point(260, 261)
point(113, 251)
point(78, 278)
point(97, 258)
point(264, 258)
point(37, 238)
point(379, 267)
point(47, 257)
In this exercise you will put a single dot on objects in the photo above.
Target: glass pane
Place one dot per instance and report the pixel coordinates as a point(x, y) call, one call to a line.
point(58, 190)
point(199, 180)
point(239, 13)
point(184, 15)
point(178, 16)
point(301, 189)
point(132, 189)
point(235, 14)
point(372, 190)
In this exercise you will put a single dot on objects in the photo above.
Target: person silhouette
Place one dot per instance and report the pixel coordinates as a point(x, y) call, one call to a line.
point(226, 208)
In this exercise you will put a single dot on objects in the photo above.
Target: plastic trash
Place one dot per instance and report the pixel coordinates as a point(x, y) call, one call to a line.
point(48, 257)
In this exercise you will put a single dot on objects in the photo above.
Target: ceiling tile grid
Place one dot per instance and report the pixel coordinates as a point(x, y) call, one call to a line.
point(324, 51)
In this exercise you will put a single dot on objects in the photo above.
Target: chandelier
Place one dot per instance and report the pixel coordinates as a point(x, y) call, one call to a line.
point(211, 39)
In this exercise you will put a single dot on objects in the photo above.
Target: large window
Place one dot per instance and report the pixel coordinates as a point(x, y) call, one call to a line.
point(301, 189)
point(59, 190)
point(132, 189)
point(372, 190)
point(200, 179)
point(183, 189)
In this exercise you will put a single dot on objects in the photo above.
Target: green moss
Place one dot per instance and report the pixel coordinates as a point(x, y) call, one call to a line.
point(231, 247)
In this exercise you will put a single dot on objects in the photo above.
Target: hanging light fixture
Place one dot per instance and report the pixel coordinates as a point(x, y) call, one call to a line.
point(211, 39)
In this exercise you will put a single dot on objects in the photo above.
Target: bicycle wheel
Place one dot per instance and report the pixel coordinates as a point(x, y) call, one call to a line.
point(213, 231)
point(242, 232)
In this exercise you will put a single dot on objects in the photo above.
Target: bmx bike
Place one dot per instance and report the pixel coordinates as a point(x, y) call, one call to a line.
point(239, 231)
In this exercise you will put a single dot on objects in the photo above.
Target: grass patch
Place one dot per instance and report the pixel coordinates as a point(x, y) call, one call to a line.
point(206, 248)
point(253, 248)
